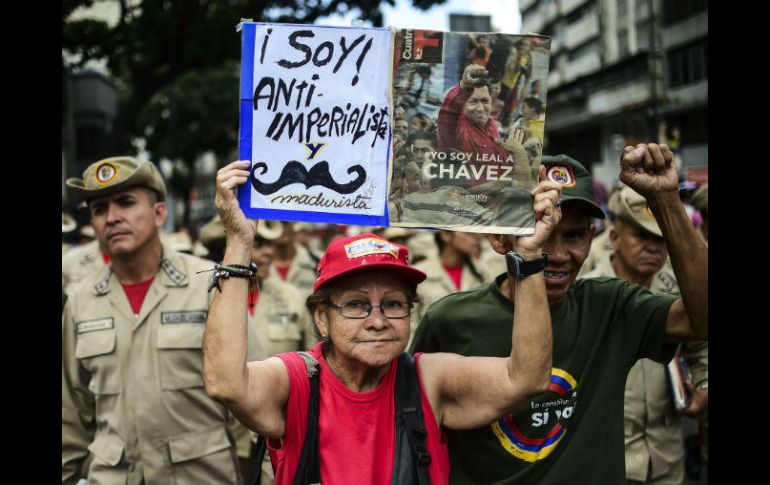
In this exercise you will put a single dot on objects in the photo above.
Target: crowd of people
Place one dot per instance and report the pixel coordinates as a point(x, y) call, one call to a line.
point(275, 352)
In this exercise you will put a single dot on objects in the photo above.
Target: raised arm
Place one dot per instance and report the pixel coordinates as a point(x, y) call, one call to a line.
point(255, 392)
point(649, 170)
point(469, 392)
point(452, 107)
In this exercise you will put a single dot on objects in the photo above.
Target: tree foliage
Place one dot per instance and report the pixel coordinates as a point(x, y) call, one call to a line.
point(156, 42)
point(175, 63)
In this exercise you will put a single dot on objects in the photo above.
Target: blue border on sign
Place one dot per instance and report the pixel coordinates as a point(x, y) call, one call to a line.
point(248, 35)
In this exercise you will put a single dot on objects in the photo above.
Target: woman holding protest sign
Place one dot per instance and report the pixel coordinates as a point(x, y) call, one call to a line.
point(340, 413)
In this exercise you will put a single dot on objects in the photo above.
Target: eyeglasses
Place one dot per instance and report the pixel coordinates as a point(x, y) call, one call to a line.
point(362, 309)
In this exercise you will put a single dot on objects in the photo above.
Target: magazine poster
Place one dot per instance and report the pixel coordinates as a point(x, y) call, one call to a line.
point(468, 123)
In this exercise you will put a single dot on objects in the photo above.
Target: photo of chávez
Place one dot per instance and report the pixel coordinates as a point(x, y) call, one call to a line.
point(456, 165)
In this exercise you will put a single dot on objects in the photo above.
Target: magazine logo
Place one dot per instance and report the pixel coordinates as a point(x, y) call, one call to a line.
point(422, 46)
point(534, 433)
point(562, 174)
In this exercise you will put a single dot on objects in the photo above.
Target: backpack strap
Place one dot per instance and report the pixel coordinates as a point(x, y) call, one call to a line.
point(309, 466)
point(261, 448)
point(411, 458)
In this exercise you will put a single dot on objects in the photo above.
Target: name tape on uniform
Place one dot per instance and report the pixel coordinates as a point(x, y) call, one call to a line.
point(184, 317)
point(94, 325)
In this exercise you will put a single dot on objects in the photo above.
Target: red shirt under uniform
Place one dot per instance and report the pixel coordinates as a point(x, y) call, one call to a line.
point(456, 274)
point(356, 429)
point(136, 293)
point(283, 271)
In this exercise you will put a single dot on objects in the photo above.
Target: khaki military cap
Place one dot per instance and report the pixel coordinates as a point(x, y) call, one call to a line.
point(114, 174)
point(397, 232)
point(214, 231)
point(88, 231)
point(200, 250)
point(700, 198)
point(631, 207)
point(178, 241)
point(68, 223)
point(351, 231)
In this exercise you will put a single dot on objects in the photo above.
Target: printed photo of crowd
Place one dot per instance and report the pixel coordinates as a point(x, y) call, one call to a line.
point(468, 123)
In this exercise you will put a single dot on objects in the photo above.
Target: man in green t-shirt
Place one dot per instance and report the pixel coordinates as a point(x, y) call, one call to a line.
point(653, 427)
point(573, 433)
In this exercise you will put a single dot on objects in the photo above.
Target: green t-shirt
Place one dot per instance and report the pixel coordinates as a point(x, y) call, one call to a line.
point(573, 433)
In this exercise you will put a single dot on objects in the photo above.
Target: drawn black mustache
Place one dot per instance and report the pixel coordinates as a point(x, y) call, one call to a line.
point(295, 173)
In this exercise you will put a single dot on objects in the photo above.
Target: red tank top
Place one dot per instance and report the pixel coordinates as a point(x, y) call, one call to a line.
point(356, 429)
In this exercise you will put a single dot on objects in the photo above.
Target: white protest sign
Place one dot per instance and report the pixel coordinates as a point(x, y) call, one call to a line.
point(315, 122)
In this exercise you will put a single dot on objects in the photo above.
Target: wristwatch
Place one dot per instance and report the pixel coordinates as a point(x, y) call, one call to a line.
point(518, 268)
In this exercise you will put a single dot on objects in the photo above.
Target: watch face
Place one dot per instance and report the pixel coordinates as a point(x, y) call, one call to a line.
point(518, 268)
point(513, 261)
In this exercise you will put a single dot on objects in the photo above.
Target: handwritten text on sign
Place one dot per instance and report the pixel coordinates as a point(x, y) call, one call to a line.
point(321, 119)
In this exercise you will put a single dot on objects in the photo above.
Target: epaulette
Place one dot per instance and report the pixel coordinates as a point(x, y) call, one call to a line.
point(103, 286)
point(174, 274)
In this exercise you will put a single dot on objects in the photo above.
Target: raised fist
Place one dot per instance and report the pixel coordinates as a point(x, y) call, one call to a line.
point(474, 76)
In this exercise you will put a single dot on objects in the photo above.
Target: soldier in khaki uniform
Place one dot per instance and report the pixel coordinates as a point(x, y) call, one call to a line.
point(68, 225)
point(653, 428)
point(422, 245)
point(132, 389)
point(81, 262)
point(281, 319)
point(456, 251)
point(293, 262)
point(489, 263)
point(277, 308)
point(601, 249)
point(305, 236)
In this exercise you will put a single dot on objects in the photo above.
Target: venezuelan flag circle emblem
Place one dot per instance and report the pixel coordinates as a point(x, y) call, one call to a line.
point(562, 174)
point(534, 432)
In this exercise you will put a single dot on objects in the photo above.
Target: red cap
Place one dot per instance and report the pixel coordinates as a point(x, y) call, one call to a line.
point(365, 252)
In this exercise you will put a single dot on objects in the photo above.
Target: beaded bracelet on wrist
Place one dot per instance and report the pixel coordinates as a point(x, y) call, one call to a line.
point(232, 270)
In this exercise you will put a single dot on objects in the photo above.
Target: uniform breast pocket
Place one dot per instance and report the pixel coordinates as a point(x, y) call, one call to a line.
point(95, 348)
point(180, 355)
